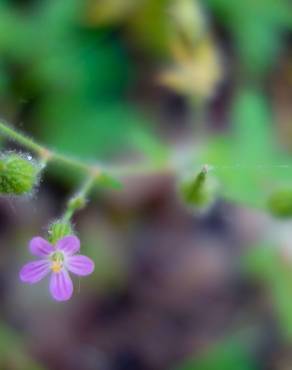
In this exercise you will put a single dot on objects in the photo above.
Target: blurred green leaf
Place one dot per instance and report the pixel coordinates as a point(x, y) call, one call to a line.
point(151, 26)
point(227, 355)
point(150, 146)
point(88, 132)
point(280, 202)
point(267, 264)
point(247, 163)
point(252, 126)
point(257, 28)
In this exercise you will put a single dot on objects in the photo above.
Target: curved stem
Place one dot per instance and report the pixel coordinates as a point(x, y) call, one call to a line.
point(92, 170)
point(74, 162)
point(79, 200)
point(21, 139)
point(46, 154)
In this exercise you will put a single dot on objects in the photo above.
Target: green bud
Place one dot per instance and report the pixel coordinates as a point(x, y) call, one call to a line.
point(78, 202)
point(198, 191)
point(280, 203)
point(59, 229)
point(19, 174)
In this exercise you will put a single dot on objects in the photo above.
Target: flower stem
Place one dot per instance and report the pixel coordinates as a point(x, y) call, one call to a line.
point(46, 154)
point(91, 170)
point(79, 200)
point(20, 138)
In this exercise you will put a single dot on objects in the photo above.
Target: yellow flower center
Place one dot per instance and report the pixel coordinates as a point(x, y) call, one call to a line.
point(57, 262)
point(56, 267)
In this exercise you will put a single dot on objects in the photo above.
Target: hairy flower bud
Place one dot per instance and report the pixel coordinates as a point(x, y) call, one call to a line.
point(78, 202)
point(19, 174)
point(198, 191)
point(280, 203)
point(59, 229)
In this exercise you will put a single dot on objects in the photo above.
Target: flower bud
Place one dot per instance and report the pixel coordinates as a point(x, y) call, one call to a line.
point(19, 174)
point(77, 203)
point(198, 191)
point(59, 229)
point(280, 203)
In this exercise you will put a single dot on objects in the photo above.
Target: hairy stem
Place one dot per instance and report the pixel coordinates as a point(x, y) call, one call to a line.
point(79, 200)
point(95, 170)
point(14, 135)
point(46, 154)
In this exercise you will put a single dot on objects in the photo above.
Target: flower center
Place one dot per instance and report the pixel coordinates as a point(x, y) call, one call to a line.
point(57, 259)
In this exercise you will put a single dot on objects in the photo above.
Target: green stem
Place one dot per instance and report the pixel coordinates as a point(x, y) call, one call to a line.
point(73, 162)
point(46, 154)
point(21, 139)
point(79, 200)
point(94, 170)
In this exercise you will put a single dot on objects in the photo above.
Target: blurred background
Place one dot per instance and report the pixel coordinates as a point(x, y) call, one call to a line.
point(122, 81)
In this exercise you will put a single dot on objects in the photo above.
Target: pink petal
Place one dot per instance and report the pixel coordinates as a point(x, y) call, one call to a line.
point(40, 247)
point(80, 265)
point(61, 286)
point(70, 245)
point(35, 271)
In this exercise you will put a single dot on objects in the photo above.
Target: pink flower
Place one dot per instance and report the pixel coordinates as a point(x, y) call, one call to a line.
point(58, 260)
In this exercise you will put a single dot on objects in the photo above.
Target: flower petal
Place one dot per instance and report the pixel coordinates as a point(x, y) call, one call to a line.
point(61, 286)
point(35, 271)
point(80, 265)
point(69, 245)
point(40, 247)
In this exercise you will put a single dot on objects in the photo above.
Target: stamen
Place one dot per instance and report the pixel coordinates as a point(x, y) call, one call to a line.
point(56, 266)
point(57, 262)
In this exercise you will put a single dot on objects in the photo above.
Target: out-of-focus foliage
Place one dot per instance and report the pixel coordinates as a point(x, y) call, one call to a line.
point(154, 150)
point(173, 29)
point(272, 266)
point(248, 162)
point(230, 354)
point(78, 75)
point(112, 11)
point(196, 73)
point(280, 203)
point(257, 28)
